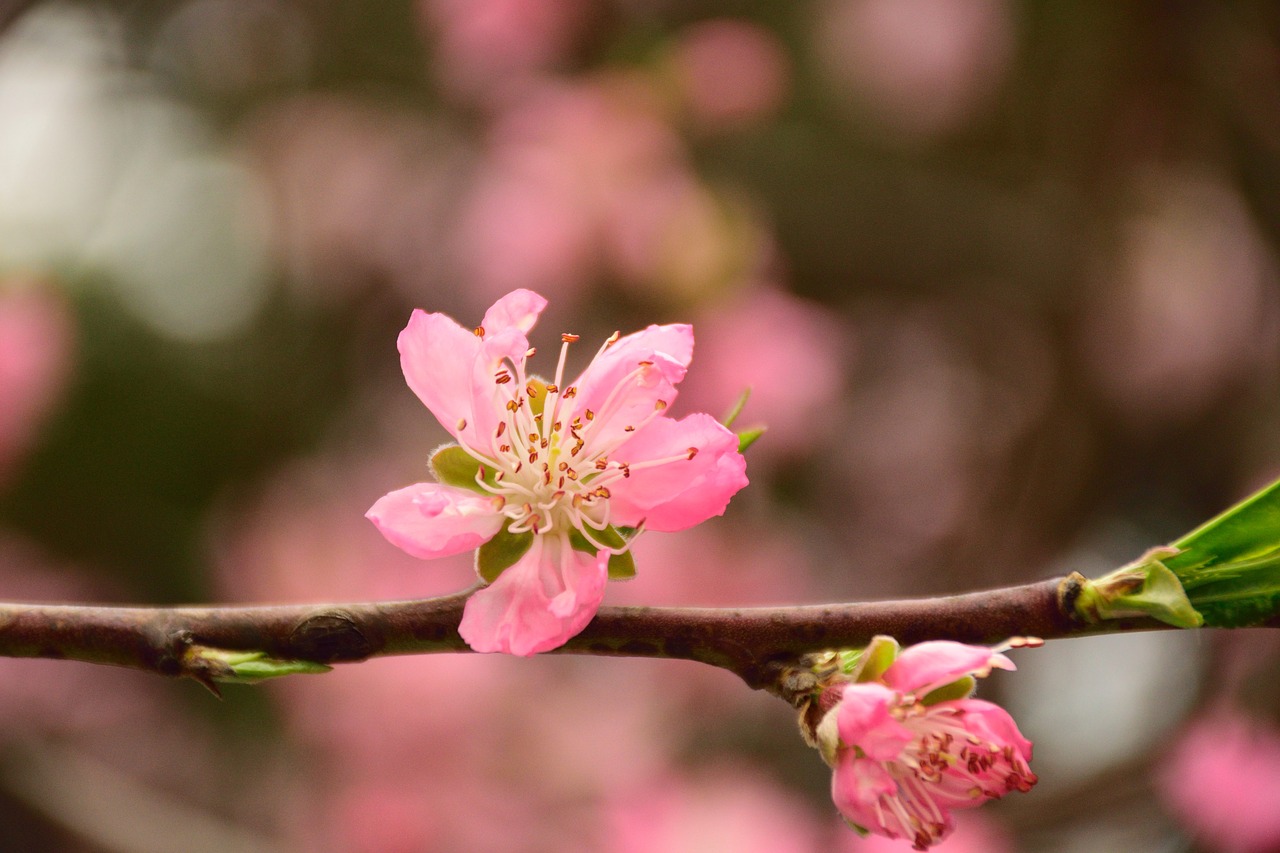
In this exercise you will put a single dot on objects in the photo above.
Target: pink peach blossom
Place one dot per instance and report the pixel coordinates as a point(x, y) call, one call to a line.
point(35, 355)
point(726, 810)
point(926, 66)
point(589, 179)
point(1222, 780)
point(485, 46)
point(973, 834)
point(356, 193)
point(563, 163)
point(556, 465)
point(902, 765)
point(731, 73)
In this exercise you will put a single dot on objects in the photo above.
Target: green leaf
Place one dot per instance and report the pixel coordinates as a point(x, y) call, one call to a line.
point(1145, 587)
point(1230, 565)
point(1237, 595)
point(1249, 529)
point(748, 437)
point(253, 671)
point(1163, 597)
point(622, 566)
point(454, 466)
point(208, 664)
point(737, 407)
point(501, 552)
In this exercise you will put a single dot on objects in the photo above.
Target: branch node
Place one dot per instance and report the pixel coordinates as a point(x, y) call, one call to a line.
point(1069, 590)
point(330, 636)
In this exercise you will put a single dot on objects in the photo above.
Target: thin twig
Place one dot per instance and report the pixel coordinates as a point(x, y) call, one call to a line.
point(753, 642)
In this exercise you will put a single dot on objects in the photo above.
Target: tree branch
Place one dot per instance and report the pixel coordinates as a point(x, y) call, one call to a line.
point(756, 643)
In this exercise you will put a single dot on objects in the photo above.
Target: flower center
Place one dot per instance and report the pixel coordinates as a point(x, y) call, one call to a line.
point(550, 459)
point(944, 765)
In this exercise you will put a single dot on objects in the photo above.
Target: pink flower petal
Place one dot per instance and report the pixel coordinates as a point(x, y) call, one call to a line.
point(930, 665)
point(642, 392)
point(993, 724)
point(864, 721)
point(995, 736)
point(932, 759)
point(648, 365)
point(438, 357)
point(519, 309)
point(974, 833)
point(488, 396)
point(453, 371)
point(857, 787)
point(430, 520)
point(684, 491)
point(548, 596)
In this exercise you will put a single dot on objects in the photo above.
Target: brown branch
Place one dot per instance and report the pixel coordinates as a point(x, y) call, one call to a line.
point(756, 643)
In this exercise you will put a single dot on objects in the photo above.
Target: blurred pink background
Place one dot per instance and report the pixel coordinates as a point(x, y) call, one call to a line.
point(1001, 278)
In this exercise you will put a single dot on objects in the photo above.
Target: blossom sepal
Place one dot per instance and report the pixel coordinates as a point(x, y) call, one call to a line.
point(454, 466)
point(622, 566)
point(813, 685)
point(870, 662)
point(501, 553)
point(750, 436)
point(961, 688)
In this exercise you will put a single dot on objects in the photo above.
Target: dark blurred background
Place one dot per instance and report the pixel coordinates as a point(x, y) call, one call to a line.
point(1002, 276)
